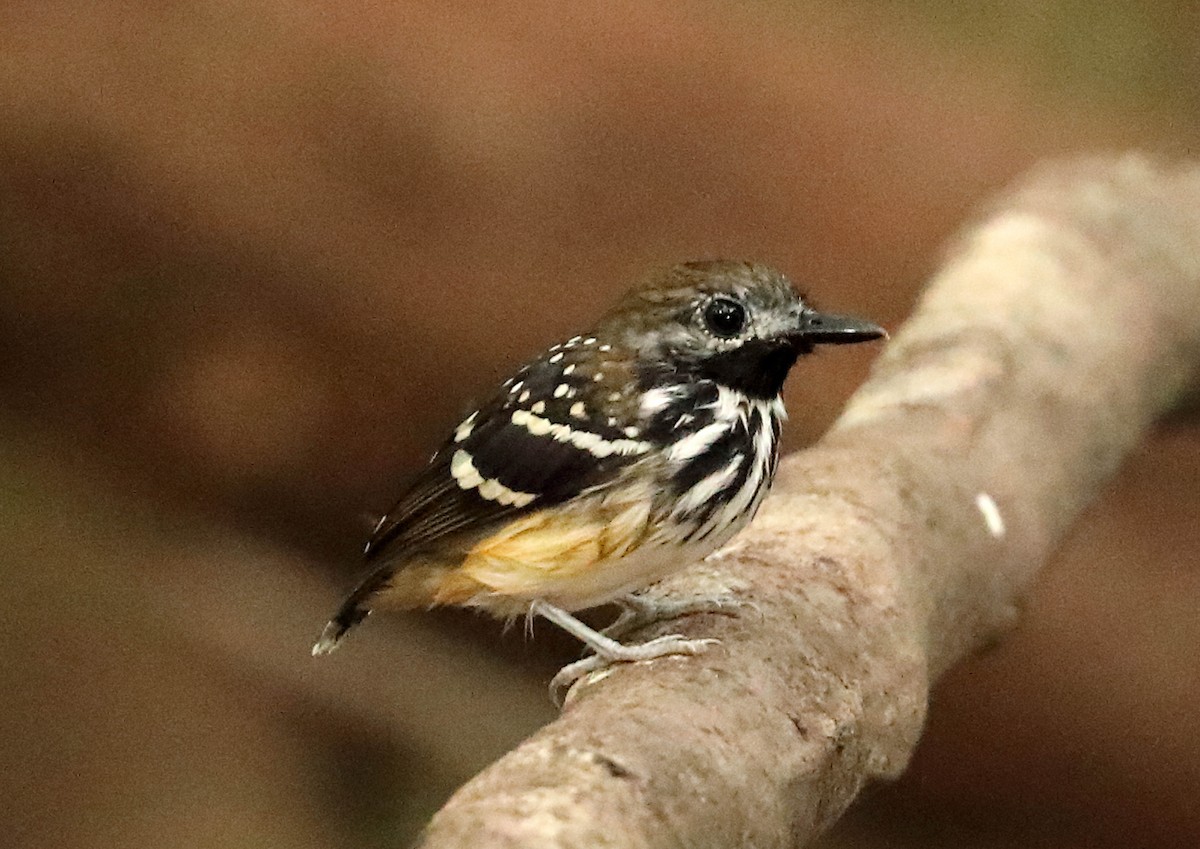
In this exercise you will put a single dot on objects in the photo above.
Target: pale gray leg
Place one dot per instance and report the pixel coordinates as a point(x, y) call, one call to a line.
point(606, 648)
point(638, 609)
point(611, 650)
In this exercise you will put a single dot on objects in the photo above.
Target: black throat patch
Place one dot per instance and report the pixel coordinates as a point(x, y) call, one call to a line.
point(757, 368)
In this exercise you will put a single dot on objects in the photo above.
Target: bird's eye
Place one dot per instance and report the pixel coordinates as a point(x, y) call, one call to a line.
point(725, 317)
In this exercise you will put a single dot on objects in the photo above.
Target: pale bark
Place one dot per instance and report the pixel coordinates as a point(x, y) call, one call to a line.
point(1059, 328)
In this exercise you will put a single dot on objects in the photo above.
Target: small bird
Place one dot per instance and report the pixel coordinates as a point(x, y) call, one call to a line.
point(609, 462)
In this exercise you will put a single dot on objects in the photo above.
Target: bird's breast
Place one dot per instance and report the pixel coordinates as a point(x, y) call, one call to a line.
point(722, 465)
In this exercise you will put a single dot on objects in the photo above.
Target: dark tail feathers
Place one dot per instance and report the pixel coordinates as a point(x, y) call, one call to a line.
point(353, 610)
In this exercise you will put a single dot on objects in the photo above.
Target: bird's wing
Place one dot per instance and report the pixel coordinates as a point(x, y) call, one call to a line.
point(502, 462)
point(499, 471)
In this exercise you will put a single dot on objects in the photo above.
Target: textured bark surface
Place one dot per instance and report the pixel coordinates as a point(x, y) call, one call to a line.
point(1058, 329)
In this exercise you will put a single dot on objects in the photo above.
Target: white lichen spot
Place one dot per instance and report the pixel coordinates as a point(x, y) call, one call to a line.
point(561, 390)
point(516, 387)
point(991, 514)
point(579, 411)
point(568, 369)
point(606, 348)
point(591, 340)
point(598, 675)
point(557, 358)
point(539, 407)
point(632, 432)
point(523, 397)
point(598, 376)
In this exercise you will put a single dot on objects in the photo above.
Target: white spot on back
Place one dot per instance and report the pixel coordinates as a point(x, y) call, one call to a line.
point(590, 442)
point(568, 369)
point(557, 358)
point(464, 430)
point(585, 440)
point(534, 424)
point(539, 407)
point(578, 410)
point(524, 397)
point(462, 467)
point(561, 390)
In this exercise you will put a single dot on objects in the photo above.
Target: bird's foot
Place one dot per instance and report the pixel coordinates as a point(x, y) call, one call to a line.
point(671, 644)
point(607, 650)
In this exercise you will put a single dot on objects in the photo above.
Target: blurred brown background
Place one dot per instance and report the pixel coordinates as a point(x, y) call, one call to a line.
point(255, 257)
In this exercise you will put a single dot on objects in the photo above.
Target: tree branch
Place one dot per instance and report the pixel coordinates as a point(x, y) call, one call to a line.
point(1059, 328)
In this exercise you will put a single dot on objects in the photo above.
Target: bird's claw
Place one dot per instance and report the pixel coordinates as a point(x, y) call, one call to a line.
point(671, 644)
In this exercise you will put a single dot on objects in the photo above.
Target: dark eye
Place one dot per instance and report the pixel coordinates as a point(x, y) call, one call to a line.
point(725, 317)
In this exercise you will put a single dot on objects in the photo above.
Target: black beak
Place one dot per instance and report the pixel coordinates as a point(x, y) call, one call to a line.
point(824, 329)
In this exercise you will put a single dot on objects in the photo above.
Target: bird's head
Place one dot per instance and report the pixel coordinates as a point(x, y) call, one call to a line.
point(737, 323)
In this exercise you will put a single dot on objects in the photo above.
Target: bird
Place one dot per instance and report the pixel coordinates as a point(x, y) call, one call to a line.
point(607, 463)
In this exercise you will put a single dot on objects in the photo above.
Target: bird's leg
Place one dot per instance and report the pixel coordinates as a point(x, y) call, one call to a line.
point(638, 609)
point(607, 650)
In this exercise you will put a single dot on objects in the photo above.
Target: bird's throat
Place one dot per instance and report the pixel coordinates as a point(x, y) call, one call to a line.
point(757, 368)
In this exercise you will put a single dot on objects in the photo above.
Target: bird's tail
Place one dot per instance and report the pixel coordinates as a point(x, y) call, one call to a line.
point(336, 628)
point(354, 609)
point(406, 586)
